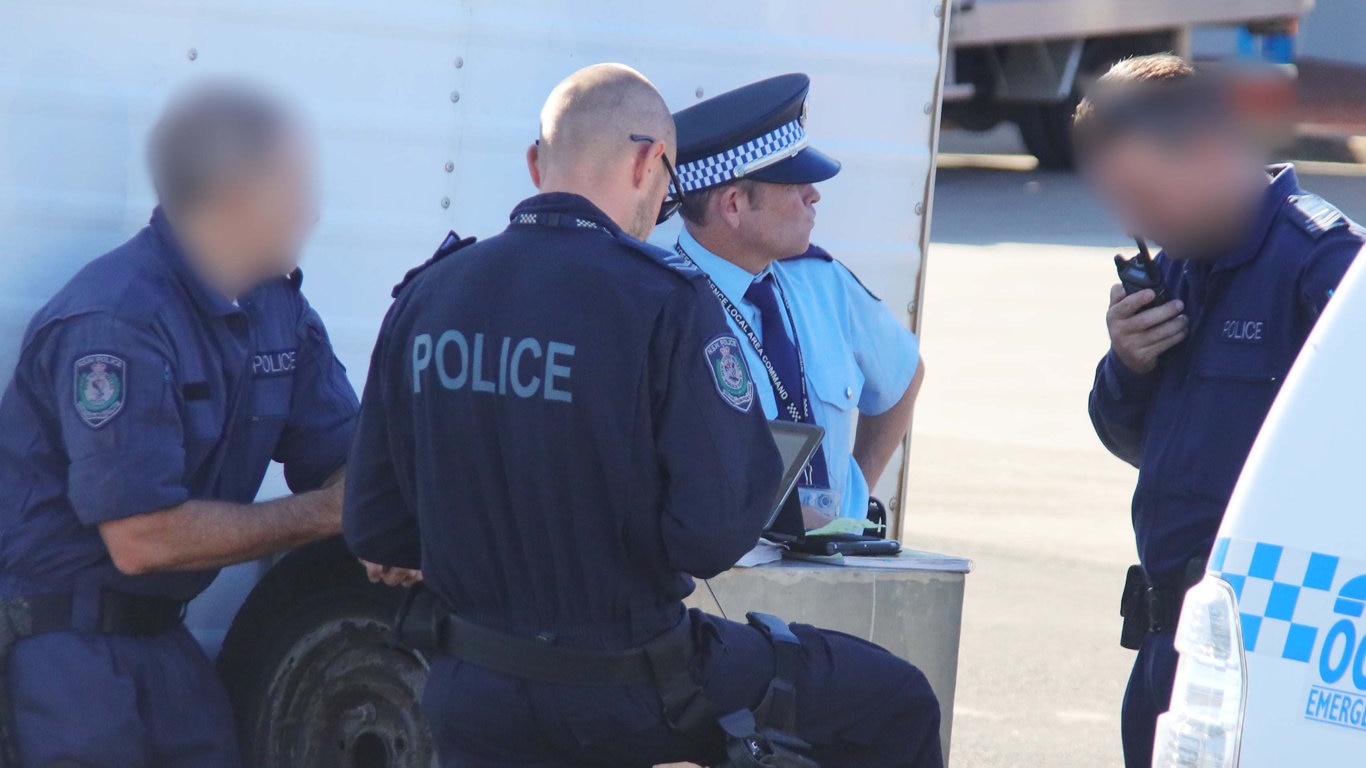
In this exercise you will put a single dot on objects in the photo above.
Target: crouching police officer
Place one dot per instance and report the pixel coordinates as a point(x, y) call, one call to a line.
point(150, 395)
point(1250, 262)
point(826, 350)
point(557, 431)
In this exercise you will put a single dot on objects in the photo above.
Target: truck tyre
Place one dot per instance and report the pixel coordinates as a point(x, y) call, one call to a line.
point(315, 680)
point(1047, 133)
point(1047, 128)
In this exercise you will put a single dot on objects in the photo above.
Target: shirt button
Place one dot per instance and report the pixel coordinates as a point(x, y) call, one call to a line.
point(849, 393)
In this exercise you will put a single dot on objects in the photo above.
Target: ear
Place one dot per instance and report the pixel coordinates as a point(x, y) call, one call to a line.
point(533, 156)
point(728, 204)
point(645, 161)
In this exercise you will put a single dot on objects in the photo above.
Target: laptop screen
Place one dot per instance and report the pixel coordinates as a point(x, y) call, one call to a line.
point(797, 443)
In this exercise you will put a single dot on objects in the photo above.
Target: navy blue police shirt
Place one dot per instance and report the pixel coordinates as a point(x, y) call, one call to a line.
point(138, 388)
point(1190, 424)
point(559, 429)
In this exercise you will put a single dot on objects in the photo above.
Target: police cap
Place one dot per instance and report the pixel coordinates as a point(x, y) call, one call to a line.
point(757, 131)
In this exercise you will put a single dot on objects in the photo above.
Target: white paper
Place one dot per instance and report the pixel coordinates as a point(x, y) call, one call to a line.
point(763, 553)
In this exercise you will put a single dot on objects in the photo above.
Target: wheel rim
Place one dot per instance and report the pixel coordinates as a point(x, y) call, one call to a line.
point(345, 697)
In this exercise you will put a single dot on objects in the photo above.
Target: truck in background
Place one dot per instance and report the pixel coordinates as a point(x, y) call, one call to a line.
point(423, 111)
point(1029, 61)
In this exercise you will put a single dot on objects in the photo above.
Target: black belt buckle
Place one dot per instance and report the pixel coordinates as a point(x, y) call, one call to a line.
point(1133, 607)
point(421, 621)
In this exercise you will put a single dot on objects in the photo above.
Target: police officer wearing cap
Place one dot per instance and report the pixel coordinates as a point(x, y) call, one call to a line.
point(557, 433)
point(150, 396)
point(1250, 262)
point(826, 350)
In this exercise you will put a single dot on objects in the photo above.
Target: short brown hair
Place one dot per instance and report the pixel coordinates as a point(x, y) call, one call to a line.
point(1160, 95)
point(1156, 69)
point(694, 208)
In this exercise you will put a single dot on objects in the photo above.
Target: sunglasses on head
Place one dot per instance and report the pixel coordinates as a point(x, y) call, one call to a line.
point(674, 201)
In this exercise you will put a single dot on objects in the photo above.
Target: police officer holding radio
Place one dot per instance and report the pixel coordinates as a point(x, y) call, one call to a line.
point(1201, 336)
point(150, 395)
point(558, 433)
point(826, 350)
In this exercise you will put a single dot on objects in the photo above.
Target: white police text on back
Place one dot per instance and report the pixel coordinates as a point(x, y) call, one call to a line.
point(501, 366)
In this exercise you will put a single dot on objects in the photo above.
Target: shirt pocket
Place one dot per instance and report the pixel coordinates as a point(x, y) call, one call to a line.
point(270, 399)
point(837, 384)
point(1239, 362)
point(203, 429)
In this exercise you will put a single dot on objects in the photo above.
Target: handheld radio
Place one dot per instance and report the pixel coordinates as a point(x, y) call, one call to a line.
point(1140, 273)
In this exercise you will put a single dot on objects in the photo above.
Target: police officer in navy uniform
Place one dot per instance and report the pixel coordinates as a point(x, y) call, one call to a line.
point(150, 395)
point(558, 432)
point(1250, 262)
point(826, 350)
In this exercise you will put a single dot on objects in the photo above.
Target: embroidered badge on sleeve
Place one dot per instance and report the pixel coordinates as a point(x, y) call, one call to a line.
point(101, 385)
point(728, 368)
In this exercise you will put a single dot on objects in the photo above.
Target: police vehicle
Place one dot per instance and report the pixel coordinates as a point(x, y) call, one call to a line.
point(423, 111)
point(1273, 639)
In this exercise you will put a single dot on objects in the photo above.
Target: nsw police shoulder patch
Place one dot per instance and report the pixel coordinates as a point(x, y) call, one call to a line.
point(101, 383)
point(727, 363)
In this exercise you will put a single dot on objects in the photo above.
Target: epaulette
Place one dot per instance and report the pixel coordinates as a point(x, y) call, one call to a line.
point(1315, 215)
point(672, 260)
point(820, 254)
point(451, 244)
point(814, 252)
point(295, 279)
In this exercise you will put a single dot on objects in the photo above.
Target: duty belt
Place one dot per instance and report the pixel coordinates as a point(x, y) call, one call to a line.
point(1147, 609)
point(23, 617)
point(540, 661)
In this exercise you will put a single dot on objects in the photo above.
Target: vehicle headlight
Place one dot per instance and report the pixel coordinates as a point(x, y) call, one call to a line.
point(1203, 727)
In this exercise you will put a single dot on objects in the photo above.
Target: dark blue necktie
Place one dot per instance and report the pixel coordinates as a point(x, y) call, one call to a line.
point(782, 353)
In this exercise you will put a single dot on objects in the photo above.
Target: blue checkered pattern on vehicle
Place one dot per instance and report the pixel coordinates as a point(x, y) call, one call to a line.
point(719, 169)
point(1275, 587)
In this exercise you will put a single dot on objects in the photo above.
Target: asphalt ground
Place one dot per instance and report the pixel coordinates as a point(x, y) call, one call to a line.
point(1005, 468)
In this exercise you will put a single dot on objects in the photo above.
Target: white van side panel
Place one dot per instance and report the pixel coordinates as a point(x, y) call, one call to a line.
point(401, 92)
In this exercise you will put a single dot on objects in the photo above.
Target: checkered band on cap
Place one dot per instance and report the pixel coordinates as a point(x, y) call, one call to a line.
point(781, 142)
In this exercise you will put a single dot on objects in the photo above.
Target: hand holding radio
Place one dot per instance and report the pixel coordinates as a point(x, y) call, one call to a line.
point(1142, 322)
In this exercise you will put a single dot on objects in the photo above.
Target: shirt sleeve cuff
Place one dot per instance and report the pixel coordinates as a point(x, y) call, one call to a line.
point(327, 453)
point(104, 488)
point(1124, 384)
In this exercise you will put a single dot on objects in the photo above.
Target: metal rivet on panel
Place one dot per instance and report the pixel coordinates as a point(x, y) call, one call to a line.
point(193, 54)
point(919, 209)
point(455, 96)
point(449, 166)
point(894, 504)
point(939, 11)
point(928, 108)
point(445, 202)
point(459, 62)
point(698, 93)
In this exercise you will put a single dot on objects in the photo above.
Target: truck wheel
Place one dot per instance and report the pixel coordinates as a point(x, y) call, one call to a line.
point(1047, 133)
point(1047, 128)
point(316, 681)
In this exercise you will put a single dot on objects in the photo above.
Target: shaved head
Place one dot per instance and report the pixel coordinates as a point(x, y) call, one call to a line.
point(590, 116)
point(604, 130)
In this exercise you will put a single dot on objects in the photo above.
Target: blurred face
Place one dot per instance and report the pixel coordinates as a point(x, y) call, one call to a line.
point(273, 207)
point(1160, 189)
point(777, 219)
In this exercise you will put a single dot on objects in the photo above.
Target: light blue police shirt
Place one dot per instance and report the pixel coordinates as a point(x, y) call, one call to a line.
point(858, 357)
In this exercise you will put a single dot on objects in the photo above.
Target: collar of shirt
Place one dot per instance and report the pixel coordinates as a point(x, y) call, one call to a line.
point(209, 301)
point(1283, 185)
point(733, 281)
point(567, 204)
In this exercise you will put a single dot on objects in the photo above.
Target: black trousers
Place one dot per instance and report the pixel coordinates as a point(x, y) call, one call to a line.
point(1149, 694)
point(858, 705)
